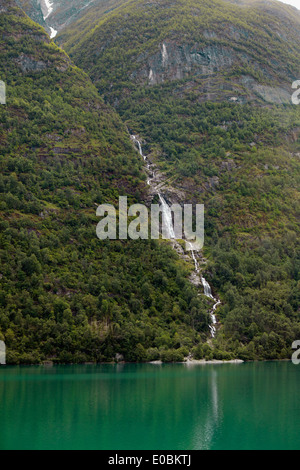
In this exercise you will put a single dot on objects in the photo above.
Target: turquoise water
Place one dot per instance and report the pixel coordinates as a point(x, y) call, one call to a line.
point(168, 407)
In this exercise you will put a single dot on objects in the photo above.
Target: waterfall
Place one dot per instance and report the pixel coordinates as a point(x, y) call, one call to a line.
point(206, 287)
point(167, 219)
point(207, 292)
point(48, 8)
point(135, 140)
point(164, 55)
point(194, 258)
point(167, 213)
point(53, 32)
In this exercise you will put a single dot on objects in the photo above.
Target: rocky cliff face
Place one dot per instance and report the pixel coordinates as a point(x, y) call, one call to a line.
point(231, 42)
point(55, 15)
point(233, 53)
point(35, 9)
point(174, 61)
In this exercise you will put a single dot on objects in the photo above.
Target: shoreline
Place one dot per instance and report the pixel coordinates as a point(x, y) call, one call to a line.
point(188, 363)
point(200, 362)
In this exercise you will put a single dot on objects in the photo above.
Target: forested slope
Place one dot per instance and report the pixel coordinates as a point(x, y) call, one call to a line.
point(207, 85)
point(65, 295)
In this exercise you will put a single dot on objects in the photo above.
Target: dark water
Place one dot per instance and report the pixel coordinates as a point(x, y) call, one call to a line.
point(169, 407)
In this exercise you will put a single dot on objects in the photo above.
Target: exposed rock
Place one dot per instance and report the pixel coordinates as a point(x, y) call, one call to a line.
point(63, 150)
point(54, 137)
point(195, 280)
point(63, 66)
point(119, 357)
point(228, 165)
point(174, 61)
point(28, 64)
point(33, 9)
point(276, 95)
point(212, 183)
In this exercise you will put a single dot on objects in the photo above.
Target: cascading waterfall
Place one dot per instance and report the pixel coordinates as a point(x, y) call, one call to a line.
point(171, 234)
point(48, 5)
point(207, 292)
point(53, 32)
point(167, 217)
point(194, 258)
point(136, 141)
point(47, 9)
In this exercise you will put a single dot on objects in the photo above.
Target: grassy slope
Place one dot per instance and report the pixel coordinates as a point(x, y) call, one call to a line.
point(64, 295)
point(241, 159)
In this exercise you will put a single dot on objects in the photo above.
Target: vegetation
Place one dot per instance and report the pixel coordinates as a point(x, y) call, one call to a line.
point(222, 142)
point(65, 295)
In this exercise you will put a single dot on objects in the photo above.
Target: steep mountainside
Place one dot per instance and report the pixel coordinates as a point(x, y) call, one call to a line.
point(64, 294)
point(242, 51)
point(207, 86)
point(54, 15)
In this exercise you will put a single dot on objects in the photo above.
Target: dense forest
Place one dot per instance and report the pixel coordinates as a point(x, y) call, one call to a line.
point(225, 139)
point(207, 85)
point(65, 295)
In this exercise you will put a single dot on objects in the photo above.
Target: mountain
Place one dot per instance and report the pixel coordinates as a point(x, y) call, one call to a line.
point(54, 15)
point(235, 50)
point(207, 86)
point(66, 296)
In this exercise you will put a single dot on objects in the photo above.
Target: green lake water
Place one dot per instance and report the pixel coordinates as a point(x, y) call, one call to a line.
point(151, 407)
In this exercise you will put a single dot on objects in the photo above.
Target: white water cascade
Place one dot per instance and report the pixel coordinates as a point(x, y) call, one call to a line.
point(48, 8)
point(167, 214)
point(136, 141)
point(171, 234)
point(207, 292)
point(167, 217)
point(164, 55)
point(53, 32)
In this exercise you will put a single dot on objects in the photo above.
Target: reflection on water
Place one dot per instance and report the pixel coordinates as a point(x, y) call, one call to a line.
point(209, 416)
point(156, 407)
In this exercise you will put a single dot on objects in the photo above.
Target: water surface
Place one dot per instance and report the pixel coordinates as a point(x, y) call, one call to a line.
point(146, 406)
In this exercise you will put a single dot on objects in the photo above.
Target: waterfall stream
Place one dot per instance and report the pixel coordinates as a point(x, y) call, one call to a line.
point(171, 234)
point(168, 217)
point(48, 8)
point(207, 292)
